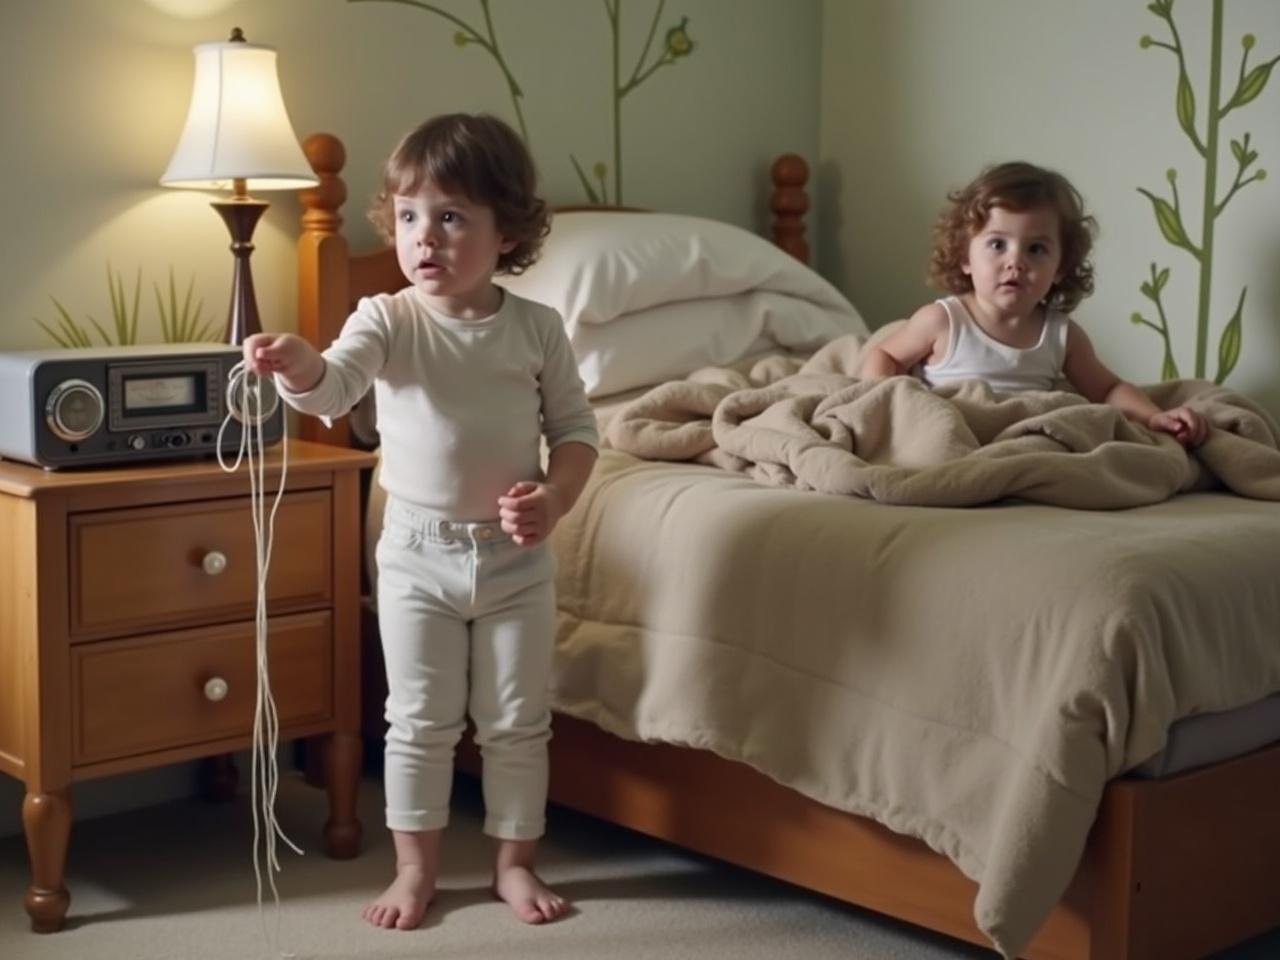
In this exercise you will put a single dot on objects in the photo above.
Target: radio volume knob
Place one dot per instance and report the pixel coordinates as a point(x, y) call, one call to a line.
point(214, 562)
point(215, 689)
point(74, 410)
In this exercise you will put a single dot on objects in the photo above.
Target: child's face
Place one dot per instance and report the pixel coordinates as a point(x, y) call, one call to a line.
point(448, 247)
point(1015, 258)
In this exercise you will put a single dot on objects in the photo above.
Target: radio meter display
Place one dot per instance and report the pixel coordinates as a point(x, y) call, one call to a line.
point(160, 393)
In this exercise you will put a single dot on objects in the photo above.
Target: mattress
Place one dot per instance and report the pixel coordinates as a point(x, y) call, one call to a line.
point(1214, 737)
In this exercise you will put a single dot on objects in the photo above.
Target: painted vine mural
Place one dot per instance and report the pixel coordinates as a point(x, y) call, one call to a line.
point(1169, 212)
point(676, 45)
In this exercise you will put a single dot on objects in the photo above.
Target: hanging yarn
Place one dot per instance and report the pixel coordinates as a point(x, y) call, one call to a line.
point(245, 404)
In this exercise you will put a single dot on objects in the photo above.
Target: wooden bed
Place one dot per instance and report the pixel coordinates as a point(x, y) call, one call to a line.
point(1174, 868)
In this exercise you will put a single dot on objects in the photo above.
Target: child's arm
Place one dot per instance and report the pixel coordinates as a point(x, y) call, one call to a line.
point(530, 511)
point(915, 341)
point(326, 384)
point(1093, 380)
point(568, 467)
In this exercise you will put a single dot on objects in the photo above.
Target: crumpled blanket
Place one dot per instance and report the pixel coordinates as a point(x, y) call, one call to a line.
point(813, 425)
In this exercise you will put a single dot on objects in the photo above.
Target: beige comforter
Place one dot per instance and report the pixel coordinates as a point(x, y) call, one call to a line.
point(815, 427)
point(969, 677)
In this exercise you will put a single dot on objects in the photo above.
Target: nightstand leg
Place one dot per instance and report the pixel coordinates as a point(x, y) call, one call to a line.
point(46, 818)
point(342, 832)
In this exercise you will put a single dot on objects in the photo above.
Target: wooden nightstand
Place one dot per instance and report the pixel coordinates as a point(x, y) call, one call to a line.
point(127, 599)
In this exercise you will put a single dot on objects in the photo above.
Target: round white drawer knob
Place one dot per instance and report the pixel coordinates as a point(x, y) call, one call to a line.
point(215, 689)
point(214, 562)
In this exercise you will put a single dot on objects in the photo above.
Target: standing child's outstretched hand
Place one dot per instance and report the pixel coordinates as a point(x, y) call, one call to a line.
point(530, 511)
point(294, 360)
point(1187, 427)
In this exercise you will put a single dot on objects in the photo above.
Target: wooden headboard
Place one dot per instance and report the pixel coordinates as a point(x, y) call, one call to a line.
point(331, 279)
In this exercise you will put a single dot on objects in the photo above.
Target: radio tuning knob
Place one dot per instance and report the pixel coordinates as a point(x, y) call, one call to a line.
point(74, 410)
point(215, 689)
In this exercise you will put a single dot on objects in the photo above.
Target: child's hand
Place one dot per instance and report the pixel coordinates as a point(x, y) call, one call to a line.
point(1187, 427)
point(530, 511)
point(286, 354)
point(268, 353)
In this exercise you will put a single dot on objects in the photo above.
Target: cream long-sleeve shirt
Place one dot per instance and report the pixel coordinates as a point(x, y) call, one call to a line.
point(461, 404)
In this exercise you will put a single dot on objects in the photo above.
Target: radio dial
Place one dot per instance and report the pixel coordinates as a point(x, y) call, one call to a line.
point(74, 410)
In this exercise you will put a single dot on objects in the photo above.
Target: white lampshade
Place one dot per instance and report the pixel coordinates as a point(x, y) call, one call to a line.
point(237, 127)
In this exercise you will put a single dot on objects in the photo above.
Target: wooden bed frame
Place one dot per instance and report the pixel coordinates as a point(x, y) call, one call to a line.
point(1174, 869)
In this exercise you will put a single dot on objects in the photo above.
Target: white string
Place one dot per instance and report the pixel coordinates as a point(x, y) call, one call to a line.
point(265, 776)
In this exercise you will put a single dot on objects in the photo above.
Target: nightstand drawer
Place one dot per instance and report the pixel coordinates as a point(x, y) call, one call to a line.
point(148, 568)
point(142, 695)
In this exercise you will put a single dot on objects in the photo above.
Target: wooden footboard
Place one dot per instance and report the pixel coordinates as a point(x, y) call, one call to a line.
point(1186, 866)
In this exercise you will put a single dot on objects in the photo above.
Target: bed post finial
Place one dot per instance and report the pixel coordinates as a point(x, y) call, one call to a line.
point(322, 203)
point(789, 203)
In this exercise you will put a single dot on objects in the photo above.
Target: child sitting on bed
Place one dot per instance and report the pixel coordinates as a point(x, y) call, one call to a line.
point(1013, 250)
point(468, 379)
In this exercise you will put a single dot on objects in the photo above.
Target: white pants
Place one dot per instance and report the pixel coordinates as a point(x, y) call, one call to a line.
point(467, 620)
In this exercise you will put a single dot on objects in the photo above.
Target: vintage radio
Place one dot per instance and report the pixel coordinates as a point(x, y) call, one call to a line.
point(114, 405)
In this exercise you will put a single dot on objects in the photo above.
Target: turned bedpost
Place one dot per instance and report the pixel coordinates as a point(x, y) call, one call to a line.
point(324, 277)
point(789, 203)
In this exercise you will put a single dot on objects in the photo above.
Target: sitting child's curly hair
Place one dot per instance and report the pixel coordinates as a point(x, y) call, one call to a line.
point(1015, 186)
point(480, 157)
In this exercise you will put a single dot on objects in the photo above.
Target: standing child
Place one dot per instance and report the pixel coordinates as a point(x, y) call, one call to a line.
point(1013, 250)
point(468, 379)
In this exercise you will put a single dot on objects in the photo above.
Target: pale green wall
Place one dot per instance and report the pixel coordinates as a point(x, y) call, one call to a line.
point(95, 92)
point(918, 95)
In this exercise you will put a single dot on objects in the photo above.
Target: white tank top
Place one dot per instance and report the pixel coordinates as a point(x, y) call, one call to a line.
point(975, 355)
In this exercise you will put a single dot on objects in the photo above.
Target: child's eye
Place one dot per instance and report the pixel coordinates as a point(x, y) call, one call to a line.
point(450, 216)
point(405, 216)
point(1039, 248)
point(995, 243)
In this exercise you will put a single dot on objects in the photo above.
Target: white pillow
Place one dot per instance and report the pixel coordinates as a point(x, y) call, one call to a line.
point(669, 342)
point(597, 266)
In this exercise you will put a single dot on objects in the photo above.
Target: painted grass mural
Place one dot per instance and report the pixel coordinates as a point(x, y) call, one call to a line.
point(180, 319)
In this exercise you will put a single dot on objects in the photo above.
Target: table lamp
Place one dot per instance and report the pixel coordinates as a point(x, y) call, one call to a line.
point(238, 136)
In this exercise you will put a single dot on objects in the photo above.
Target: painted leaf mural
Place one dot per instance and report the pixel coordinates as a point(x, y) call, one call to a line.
point(1171, 216)
point(486, 40)
point(676, 45)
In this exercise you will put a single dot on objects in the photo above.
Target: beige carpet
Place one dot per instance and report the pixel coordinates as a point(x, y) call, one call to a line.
point(175, 882)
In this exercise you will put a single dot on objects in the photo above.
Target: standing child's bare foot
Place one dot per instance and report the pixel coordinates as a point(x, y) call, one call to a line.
point(404, 903)
point(529, 898)
point(514, 881)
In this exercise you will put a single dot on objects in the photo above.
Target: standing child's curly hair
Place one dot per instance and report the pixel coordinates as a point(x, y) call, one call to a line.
point(1016, 186)
point(480, 157)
